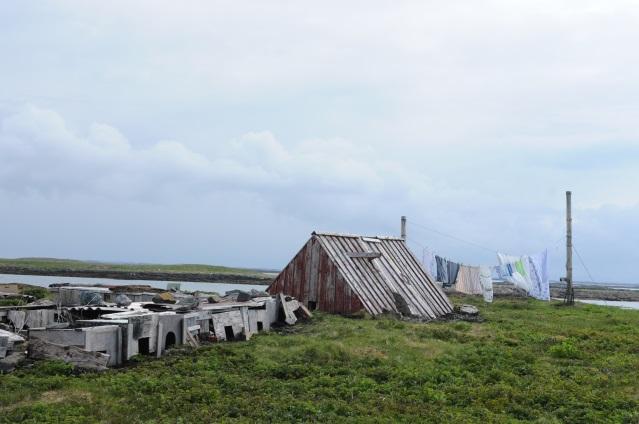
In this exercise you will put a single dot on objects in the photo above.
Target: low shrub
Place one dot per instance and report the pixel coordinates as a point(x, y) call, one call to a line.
point(37, 292)
point(565, 350)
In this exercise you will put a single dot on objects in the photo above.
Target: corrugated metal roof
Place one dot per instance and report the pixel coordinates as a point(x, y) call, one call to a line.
point(389, 271)
point(96, 308)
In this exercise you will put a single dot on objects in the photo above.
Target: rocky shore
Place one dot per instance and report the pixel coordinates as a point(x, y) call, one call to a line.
point(592, 292)
point(598, 293)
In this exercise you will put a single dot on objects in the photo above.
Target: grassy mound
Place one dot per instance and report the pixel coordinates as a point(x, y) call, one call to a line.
point(529, 361)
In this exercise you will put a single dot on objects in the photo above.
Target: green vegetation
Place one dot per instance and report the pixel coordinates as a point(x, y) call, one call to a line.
point(49, 264)
point(36, 292)
point(11, 302)
point(529, 361)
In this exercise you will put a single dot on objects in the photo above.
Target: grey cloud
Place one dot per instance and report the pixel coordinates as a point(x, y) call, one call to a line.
point(39, 152)
point(472, 118)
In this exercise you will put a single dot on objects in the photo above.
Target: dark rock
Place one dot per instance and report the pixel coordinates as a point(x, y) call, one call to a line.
point(122, 300)
point(237, 296)
point(257, 293)
point(214, 298)
point(243, 297)
point(11, 361)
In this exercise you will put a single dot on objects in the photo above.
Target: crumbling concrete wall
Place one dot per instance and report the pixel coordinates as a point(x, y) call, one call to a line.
point(266, 316)
point(195, 319)
point(106, 339)
point(141, 332)
point(257, 319)
point(168, 323)
point(135, 297)
point(74, 296)
point(68, 337)
point(34, 318)
point(231, 319)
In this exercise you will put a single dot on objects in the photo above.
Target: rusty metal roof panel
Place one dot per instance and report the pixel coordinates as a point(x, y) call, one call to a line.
point(381, 269)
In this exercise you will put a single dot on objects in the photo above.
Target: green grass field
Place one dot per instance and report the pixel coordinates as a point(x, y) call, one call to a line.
point(50, 264)
point(529, 361)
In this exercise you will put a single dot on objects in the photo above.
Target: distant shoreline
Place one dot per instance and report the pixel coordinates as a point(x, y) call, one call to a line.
point(583, 292)
point(603, 293)
point(199, 277)
point(612, 292)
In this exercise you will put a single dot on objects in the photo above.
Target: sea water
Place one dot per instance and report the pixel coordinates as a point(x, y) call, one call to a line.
point(45, 281)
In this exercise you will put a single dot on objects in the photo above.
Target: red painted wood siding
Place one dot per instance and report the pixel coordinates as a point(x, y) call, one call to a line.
point(312, 276)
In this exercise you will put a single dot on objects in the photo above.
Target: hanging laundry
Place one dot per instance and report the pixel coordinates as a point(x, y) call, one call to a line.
point(442, 269)
point(517, 271)
point(486, 280)
point(468, 280)
point(453, 269)
point(494, 272)
point(500, 272)
point(539, 272)
point(529, 272)
point(430, 263)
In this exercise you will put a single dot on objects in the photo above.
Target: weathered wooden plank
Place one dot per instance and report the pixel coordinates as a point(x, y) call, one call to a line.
point(370, 255)
point(402, 283)
point(293, 289)
point(370, 279)
point(303, 297)
point(316, 251)
point(306, 311)
point(329, 296)
point(437, 301)
point(350, 274)
point(360, 276)
point(343, 273)
point(289, 309)
point(279, 283)
point(320, 286)
point(191, 340)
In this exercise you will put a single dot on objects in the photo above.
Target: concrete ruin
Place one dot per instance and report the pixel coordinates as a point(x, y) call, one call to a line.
point(106, 339)
point(81, 326)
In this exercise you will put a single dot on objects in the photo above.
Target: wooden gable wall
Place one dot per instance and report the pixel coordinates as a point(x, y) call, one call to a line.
point(312, 277)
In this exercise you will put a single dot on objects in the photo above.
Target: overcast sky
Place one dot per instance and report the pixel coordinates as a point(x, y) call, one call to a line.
point(224, 132)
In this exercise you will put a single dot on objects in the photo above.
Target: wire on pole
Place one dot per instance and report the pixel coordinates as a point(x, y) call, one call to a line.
point(592, 280)
point(453, 237)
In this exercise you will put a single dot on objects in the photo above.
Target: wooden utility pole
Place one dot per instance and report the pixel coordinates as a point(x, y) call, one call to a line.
point(569, 298)
point(403, 229)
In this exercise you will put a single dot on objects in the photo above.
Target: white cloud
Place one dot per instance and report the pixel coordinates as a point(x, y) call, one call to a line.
point(38, 151)
point(471, 117)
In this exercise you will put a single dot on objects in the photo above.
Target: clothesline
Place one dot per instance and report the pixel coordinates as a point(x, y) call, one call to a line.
point(452, 236)
point(592, 280)
point(529, 272)
point(426, 248)
point(472, 243)
point(555, 246)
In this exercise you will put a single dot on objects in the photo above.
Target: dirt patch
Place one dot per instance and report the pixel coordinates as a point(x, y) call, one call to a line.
point(428, 349)
point(49, 397)
point(52, 396)
point(369, 352)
